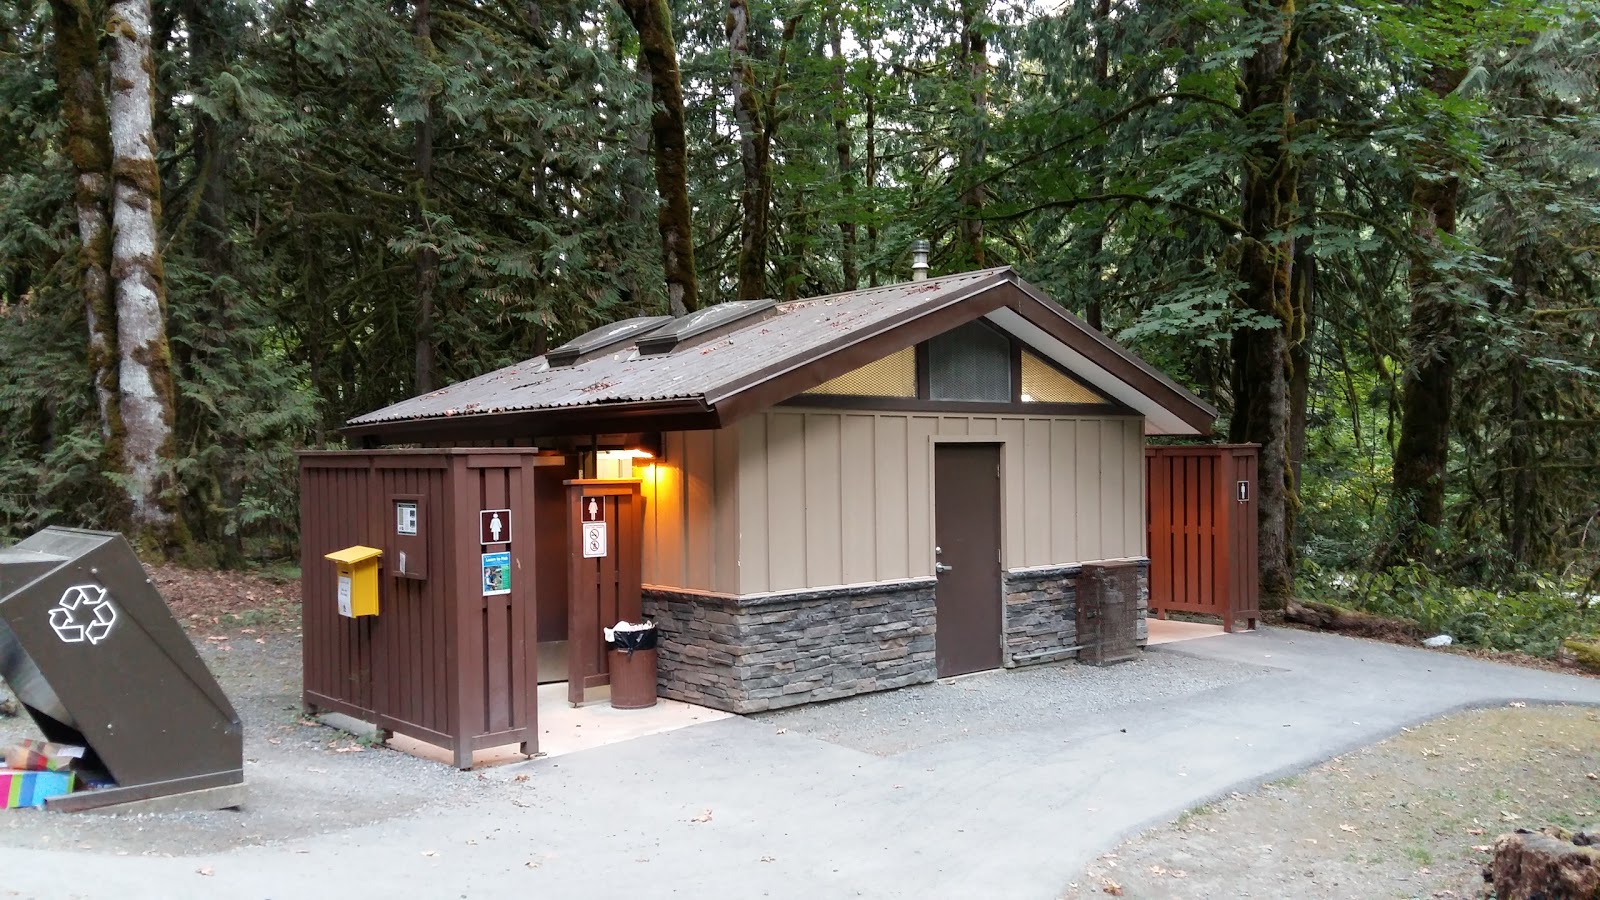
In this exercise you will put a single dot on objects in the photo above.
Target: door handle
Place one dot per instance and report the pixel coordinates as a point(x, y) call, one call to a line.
point(941, 568)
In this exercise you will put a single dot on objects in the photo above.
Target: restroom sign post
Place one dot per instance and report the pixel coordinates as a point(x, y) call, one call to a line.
point(494, 526)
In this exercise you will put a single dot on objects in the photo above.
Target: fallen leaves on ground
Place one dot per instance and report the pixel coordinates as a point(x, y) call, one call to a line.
point(212, 599)
point(1399, 821)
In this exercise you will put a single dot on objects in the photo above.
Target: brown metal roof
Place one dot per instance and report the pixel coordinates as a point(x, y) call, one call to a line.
point(777, 352)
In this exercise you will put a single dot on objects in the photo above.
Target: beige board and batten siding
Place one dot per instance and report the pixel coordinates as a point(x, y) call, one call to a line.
point(691, 529)
point(835, 497)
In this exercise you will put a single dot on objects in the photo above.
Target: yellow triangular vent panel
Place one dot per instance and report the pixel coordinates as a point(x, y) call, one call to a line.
point(893, 376)
point(1044, 383)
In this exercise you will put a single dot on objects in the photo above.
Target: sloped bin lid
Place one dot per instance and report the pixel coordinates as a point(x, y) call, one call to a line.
point(92, 651)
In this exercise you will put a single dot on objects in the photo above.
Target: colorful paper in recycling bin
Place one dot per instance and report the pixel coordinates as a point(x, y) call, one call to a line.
point(24, 789)
point(40, 756)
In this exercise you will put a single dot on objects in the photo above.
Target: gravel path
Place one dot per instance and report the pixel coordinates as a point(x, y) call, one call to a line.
point(303, 779)
point(894, 722)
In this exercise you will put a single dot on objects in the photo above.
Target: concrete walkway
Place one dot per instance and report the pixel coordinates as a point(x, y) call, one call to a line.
point(1170, 631)
point(734, 809)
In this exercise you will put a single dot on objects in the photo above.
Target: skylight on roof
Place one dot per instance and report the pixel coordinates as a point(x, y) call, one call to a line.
point(602, 338)
point(702, 322)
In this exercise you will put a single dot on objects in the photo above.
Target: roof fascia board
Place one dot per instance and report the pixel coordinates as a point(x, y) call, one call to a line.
point(1158, 419)
point(652, 415)
point(1105, 355)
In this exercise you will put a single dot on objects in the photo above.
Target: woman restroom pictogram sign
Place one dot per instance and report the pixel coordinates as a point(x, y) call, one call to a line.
point(593, 510)
point(494, 526)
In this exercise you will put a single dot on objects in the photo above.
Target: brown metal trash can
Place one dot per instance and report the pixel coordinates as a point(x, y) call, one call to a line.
point(633, 679)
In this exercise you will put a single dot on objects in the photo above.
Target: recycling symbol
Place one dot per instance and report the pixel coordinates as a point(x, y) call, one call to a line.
point(84, 613)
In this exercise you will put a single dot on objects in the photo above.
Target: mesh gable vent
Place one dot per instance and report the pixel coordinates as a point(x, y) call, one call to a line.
point(972, 362)
point(1044, 383)
point(893, 376)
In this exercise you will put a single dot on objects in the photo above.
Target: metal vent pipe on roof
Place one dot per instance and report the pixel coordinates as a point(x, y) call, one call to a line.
point(919, 260)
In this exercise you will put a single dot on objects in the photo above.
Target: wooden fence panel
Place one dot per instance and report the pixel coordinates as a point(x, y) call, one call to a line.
point(604, 589)
point(1202, 531)
point(442, 661)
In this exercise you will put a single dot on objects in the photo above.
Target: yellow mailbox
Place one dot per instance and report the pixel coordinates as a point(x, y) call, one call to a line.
point(358, 580)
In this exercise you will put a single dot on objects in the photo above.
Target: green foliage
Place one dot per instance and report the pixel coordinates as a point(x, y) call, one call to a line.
point(49, 447)
point(1535, 620)
point(1101, 147)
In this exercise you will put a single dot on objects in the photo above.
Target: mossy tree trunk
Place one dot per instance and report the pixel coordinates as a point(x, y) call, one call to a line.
point(427, 261)
point(754, 154)
point(975, 60)
point(214, 32)
point(1427, 389)
point(80, 75)
point(144, 365)
point(1093, 305)
point(1261, 355)
point(1303, 266)
point(658, 60)
point(756, 112)
point(870, 125)
point(842, 141)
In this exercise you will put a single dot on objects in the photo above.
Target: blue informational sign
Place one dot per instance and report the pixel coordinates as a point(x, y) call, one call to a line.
point(496, 573)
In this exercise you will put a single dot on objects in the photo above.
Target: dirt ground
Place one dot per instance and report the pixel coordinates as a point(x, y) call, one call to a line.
point(1411, 817)
point(302, 778)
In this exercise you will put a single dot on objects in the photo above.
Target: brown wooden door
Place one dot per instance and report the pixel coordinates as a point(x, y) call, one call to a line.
point(966, 526)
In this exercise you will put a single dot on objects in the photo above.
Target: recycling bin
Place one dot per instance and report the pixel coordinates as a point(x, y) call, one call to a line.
point(95, 656)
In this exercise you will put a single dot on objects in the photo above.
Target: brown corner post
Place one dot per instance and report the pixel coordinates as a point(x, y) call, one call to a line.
point(1224, 499)
point(605, 576)
point(524, 648)
point(463, 653)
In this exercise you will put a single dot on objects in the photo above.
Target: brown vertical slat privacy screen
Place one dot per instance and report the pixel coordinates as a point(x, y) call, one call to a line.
point(1202, 535)
point(604, 590)
point(441, 662)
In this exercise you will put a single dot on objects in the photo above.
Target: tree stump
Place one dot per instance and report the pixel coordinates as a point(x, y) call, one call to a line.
point(1532, 866)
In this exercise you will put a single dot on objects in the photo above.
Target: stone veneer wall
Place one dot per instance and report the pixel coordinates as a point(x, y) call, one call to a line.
point(1041, 613)
point(768, 651)
point(747, 654)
